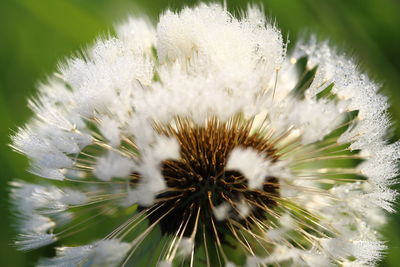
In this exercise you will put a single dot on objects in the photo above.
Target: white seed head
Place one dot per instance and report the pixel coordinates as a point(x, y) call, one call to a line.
point(203, 133)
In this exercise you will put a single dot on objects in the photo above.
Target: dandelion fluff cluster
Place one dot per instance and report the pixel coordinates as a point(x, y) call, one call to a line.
point(201, 141)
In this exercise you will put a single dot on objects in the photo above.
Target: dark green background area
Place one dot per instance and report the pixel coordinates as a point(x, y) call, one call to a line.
point(36, 34)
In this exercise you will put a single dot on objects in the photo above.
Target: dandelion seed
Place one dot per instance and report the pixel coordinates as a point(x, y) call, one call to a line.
point(200, 142)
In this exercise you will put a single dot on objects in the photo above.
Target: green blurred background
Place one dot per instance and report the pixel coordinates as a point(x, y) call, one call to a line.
point(36, 34)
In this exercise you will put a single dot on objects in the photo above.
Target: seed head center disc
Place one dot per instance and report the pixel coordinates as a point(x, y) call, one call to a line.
point(199, 181)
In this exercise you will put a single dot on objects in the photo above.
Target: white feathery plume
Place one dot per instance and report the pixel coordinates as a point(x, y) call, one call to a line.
point(203, 133)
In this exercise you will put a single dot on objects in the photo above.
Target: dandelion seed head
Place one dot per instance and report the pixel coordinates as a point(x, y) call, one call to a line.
point(204, 133)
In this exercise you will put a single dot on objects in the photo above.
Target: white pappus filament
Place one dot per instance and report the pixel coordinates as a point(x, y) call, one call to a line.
point(201, 141)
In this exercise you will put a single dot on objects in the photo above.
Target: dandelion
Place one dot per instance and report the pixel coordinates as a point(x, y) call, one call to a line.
point(202, 142)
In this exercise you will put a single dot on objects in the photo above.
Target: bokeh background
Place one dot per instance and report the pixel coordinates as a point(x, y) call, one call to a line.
point(36, 34)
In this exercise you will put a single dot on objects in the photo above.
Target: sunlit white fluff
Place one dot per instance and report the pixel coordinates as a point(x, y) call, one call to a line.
point(98, 127)
point(102, 253)
point(254, 167)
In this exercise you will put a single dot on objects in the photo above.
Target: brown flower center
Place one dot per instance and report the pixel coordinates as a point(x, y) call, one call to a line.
point(199, 181)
